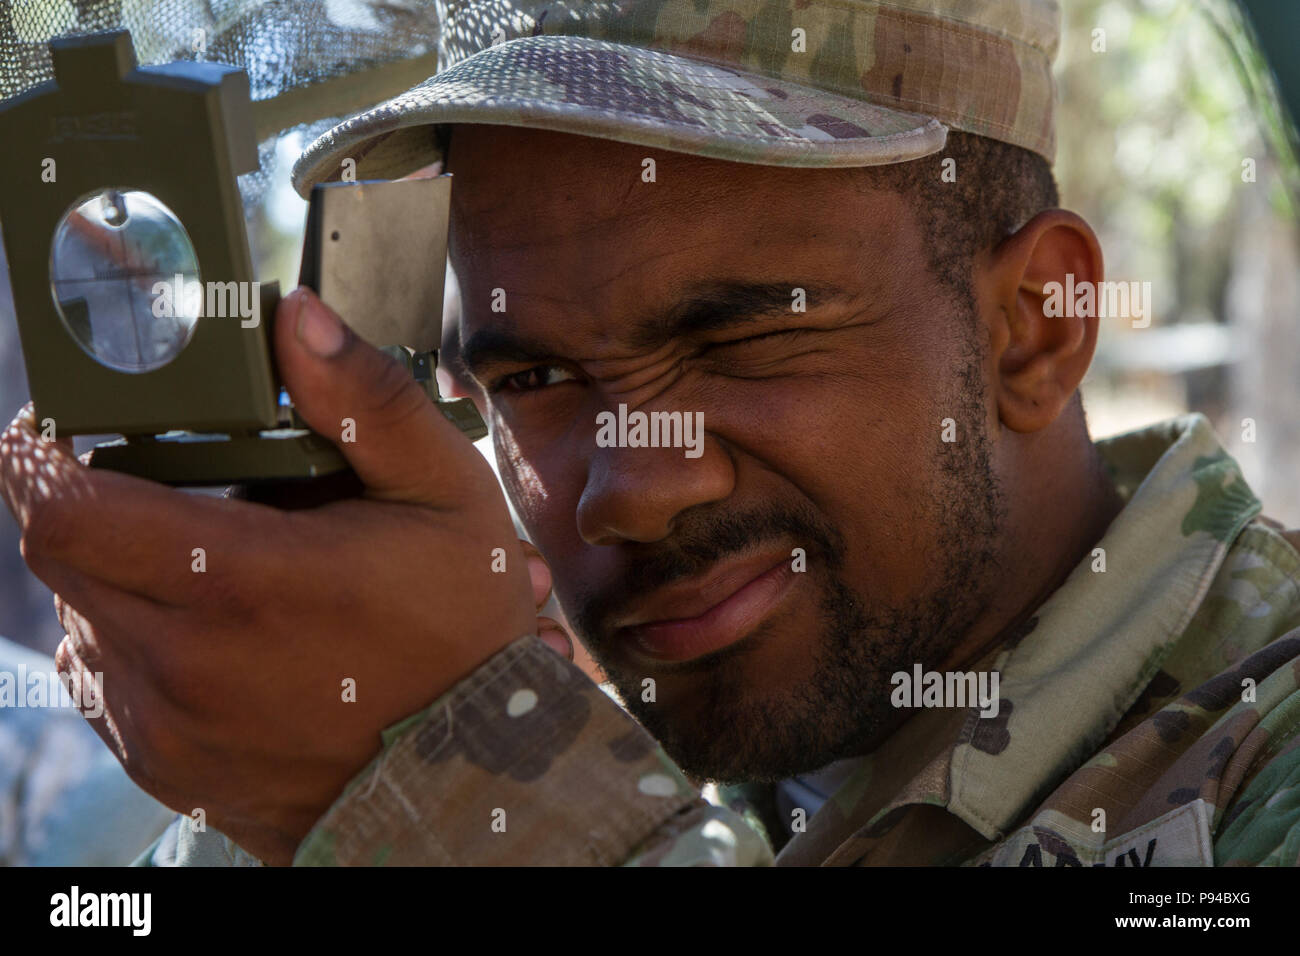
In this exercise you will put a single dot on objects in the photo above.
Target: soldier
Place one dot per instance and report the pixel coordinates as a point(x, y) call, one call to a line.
point(832, 230)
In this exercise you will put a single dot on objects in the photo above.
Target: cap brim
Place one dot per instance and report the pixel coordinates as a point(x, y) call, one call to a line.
point(623, 93)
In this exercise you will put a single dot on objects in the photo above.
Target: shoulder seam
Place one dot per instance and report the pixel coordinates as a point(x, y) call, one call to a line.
point(1290, 536)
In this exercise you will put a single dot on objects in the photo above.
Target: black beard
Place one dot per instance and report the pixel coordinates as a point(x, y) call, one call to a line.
point(843, 709)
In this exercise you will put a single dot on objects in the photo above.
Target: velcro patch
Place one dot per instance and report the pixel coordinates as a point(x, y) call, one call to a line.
point(1179, 838)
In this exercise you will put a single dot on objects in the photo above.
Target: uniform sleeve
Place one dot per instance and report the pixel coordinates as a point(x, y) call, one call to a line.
point(526, 762)
point(1262, 826)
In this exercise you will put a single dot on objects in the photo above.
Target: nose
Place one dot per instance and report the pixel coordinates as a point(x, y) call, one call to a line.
point(633, 494)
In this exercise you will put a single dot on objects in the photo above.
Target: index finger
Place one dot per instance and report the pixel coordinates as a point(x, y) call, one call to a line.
point(124, 531)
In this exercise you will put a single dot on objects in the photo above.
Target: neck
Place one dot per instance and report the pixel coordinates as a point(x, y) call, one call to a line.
point(1049, 542)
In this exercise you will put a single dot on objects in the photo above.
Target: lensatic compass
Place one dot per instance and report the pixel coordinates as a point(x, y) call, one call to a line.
point(138, 307)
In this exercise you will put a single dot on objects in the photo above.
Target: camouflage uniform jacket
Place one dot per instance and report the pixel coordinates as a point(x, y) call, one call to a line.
point(1149, 715)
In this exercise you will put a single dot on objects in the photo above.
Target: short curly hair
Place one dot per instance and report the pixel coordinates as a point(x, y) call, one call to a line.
point(998, 188)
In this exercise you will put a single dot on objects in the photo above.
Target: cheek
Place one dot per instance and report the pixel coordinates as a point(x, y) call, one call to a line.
point(523, 484)
point(852, 436)
point(858, 446)
point(544, 494)
point(543, 483)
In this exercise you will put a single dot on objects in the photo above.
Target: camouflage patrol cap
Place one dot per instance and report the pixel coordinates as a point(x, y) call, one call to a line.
point(794, 83)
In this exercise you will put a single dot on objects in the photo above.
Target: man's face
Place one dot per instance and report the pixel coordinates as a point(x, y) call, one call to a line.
point(751, 603)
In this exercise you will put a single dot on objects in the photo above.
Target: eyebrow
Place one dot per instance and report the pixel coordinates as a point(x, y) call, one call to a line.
point(708, 307)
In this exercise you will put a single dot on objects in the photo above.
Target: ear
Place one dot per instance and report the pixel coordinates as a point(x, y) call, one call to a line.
point(1040, 357)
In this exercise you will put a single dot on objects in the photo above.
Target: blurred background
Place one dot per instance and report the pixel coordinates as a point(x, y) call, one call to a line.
point(1173, 144)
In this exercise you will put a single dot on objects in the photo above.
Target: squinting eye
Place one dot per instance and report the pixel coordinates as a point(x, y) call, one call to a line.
point(766, 340)
point(534, 378)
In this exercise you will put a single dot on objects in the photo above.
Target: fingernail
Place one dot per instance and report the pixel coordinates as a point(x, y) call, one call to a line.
point(539, 574)
point(558, 641)
point(320, 332)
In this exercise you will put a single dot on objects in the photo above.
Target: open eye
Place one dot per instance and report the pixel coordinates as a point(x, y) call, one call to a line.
point(537, 377)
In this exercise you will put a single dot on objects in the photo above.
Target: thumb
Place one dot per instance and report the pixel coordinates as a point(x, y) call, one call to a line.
point(396, 440)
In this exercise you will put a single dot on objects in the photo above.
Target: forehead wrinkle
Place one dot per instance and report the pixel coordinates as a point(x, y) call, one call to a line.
point(713, 305)
point(541, 201)
point(706, 306)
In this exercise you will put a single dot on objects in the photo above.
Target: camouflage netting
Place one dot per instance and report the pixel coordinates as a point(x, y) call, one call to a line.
point(310, 62)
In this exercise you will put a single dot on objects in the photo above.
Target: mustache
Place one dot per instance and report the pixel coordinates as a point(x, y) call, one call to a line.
point(699, 541)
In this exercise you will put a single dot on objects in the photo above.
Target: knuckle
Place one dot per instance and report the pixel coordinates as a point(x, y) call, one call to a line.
point(73, 621)
point(62, 611)
point(84, 646)
point(65, 656)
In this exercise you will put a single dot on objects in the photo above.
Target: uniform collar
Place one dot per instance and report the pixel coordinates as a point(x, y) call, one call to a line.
point(1082, 660)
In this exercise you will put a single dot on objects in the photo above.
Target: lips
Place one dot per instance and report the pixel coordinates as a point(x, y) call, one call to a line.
point(693, 618)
